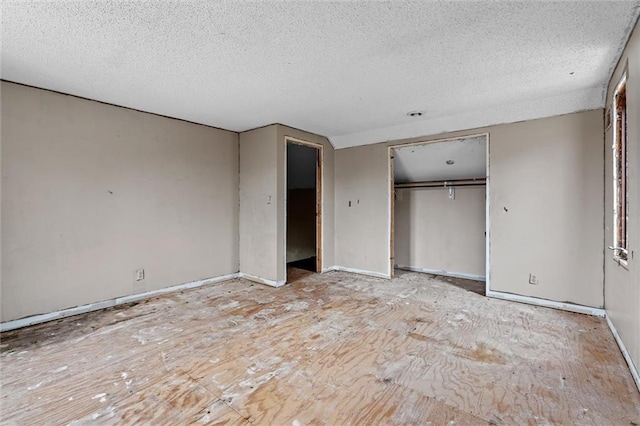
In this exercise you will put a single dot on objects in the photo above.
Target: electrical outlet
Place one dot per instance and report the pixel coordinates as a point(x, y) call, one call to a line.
point(533, 279)
point(139, 274)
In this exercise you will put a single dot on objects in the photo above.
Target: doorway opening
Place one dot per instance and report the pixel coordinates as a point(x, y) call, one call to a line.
point(439, 209)
point(303, 206)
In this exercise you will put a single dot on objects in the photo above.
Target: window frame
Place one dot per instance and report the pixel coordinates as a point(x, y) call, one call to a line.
point(620, 173)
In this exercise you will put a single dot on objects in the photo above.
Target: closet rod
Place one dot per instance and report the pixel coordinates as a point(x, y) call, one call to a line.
point(442, 183)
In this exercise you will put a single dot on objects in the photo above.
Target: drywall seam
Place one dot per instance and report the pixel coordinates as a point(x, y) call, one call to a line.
point(604, 205)
point(261, 280)
point(37, 319)
point(184, 120)
point(441, 272)
point(625, 352)
point(357, 271)
point(239, 178)
point(570, 307)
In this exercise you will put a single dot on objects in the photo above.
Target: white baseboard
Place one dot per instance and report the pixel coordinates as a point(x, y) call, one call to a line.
point(625, 352)
point(443, 273)
point(580, 309)
point(261, 280)
point(37, 319)
point(357, 271)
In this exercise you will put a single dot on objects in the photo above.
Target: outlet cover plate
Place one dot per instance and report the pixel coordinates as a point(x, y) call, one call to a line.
point(139, 274)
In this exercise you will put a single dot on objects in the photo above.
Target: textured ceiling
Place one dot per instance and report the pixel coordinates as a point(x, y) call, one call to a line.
point(428, 162)
point(347, 70)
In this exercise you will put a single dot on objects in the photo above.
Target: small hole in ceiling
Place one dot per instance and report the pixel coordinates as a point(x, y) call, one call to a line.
point(571, 73)
point(450, 162)
point(415, 114)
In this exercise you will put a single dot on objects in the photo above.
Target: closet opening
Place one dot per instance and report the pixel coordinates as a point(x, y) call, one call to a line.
point(439, 209)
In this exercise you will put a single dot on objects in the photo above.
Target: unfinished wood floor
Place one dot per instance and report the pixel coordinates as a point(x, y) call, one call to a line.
point(327, 349)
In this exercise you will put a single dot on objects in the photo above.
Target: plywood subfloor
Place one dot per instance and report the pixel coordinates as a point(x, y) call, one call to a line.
point(326, 349)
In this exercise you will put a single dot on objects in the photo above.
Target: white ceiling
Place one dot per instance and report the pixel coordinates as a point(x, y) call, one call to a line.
point(428, 162)
point(347, 70)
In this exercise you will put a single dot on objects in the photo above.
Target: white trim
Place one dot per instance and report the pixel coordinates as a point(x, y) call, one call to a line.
point(357, 271)
point(441, 272)
point(261, 280)
point(625, 352)
point(487, 215)
point(37, 319)
point(564, 306)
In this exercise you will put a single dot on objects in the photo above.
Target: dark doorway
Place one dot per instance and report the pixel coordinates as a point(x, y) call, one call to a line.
point(302, 206)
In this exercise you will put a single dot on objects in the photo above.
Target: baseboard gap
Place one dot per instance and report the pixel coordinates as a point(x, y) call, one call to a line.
point(545, 303)
point(462, 275)
point(90, 307)
point(625, 352)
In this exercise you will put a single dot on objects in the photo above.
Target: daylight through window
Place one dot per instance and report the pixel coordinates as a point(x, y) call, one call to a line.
point(621, 214)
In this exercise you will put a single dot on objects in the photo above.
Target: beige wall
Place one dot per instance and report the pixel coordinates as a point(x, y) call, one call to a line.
point(362, 228)
point(435, 233)
point(259, 228)
point(92, 192)
point(546, 215)
point(262, 223)
point(622, 285)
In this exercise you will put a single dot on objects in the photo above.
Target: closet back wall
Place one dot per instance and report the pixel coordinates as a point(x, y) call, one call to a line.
point(440, 235)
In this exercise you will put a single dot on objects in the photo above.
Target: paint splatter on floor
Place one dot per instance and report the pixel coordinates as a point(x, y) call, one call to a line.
point(334, 348)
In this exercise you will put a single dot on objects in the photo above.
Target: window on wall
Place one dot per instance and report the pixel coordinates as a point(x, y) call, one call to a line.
point(620, 202)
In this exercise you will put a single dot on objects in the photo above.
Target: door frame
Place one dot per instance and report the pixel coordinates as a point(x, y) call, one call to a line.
point(390, 149)
point(319, 200)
